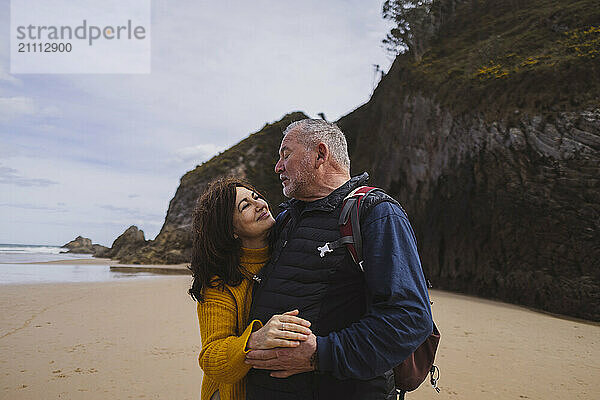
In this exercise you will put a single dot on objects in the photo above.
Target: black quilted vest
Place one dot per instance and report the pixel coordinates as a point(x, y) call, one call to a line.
point(328, 291)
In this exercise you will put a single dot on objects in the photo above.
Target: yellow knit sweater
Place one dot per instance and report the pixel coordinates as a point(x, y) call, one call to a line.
point(224, 329)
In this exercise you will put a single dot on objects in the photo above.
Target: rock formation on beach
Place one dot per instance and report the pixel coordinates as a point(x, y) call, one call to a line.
point(491, 141)
point(99, 250)
point(83, 245)
point(128, 242)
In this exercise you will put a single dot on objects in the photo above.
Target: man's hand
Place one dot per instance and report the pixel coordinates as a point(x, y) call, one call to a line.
point(286, 361)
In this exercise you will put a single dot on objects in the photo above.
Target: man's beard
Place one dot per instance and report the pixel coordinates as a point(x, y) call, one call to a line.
point(301, 182)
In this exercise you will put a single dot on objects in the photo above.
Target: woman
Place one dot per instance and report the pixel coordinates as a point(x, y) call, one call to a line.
point(231, 225)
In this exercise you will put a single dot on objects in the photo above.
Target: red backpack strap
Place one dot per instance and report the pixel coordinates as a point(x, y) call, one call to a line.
point(349, 223)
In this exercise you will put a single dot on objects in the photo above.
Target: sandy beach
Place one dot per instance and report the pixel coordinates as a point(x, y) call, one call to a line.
point(138, 339)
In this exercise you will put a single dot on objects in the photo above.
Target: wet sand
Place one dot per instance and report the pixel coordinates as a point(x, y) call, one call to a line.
point(159, 269)
point(139, 339)
point(79, 261)
point(110, 262)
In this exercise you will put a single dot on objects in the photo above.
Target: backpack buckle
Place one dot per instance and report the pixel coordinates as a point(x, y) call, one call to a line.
point(324, 249)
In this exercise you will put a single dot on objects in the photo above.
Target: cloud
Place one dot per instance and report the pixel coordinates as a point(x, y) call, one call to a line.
point(199, 153)
point(10, 176)
point(134, 213)
point(50, 112)
point(6, 77)
point(15, 107)
point(133, 196)
point(29, 206)
point(12, 108)
point(7, 150)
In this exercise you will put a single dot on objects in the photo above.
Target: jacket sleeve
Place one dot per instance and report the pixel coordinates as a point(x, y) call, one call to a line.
point(223, 351)
point(398, 317)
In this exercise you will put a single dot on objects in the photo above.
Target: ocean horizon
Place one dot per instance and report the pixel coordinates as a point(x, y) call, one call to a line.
point(29, 263)
point(30, 253)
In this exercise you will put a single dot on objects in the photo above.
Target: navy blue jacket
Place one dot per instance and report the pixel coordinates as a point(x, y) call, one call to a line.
point(398, 317)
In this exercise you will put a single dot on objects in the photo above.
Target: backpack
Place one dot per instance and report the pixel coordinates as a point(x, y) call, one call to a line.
point(409, 375)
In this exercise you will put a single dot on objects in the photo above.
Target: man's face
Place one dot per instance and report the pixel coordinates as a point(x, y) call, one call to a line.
point(294, 167)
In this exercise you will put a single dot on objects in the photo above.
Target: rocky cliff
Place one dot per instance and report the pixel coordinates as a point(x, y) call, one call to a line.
point(497, 160)
point(491, 142)
point(502, 210)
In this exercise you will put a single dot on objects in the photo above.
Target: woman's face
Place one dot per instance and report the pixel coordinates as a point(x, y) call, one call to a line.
point(252, 218)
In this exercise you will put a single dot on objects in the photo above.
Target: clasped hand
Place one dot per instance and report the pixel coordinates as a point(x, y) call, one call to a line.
point(284, 345)
point(282, 330)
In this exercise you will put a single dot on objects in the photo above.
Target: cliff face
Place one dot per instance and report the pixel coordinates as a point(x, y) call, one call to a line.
point(492, 144)
point(502, 210)
point(253, 159)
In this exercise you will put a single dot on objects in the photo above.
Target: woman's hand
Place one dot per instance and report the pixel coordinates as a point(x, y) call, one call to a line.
point(282, 330)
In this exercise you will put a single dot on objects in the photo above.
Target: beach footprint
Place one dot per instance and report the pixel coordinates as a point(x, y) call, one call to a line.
point(59, 374)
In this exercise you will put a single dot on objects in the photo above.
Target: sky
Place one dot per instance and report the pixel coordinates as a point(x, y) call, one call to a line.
point(92, 154)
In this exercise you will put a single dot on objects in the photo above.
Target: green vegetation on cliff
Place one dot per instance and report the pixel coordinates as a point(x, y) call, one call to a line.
point(496, 56)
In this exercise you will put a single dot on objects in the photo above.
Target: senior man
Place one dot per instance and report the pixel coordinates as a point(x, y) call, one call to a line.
point(363, 323)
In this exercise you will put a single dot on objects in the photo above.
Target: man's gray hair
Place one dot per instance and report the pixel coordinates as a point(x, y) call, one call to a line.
point(313, 131)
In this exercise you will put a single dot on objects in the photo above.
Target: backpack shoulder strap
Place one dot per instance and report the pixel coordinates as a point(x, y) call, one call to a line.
point(349, 223)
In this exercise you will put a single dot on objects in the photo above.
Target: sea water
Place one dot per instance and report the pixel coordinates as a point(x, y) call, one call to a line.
point(21, 263)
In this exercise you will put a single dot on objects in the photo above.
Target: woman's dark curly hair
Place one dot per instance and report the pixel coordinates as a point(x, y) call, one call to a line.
point(215, 250)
